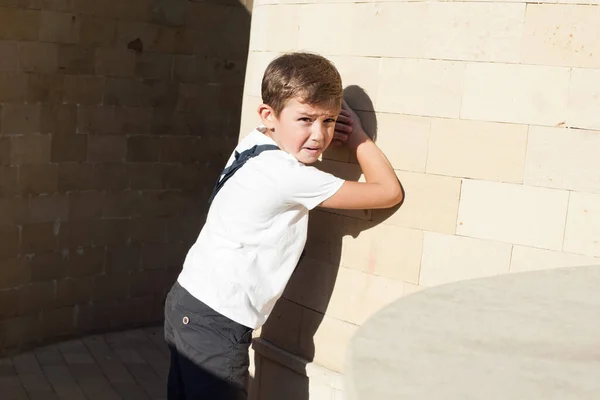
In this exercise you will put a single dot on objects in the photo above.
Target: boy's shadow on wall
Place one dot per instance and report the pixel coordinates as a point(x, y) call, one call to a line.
point(300, 312)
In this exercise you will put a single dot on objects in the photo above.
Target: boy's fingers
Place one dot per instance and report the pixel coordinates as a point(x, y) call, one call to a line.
point(343, 128)
point(340, 137)
point(344, 119)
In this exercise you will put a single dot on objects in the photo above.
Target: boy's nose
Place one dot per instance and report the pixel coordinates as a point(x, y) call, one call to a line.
point(319, 131)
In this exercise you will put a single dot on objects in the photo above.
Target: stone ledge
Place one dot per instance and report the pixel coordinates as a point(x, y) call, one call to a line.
point(311, 370)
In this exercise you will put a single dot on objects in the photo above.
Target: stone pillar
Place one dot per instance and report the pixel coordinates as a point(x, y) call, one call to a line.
point(488, 111)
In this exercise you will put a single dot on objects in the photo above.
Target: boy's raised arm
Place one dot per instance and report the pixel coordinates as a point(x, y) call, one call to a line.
point(382, 188)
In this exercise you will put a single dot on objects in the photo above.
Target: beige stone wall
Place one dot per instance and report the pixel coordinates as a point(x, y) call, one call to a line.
point(115, 118)
point(490, 113)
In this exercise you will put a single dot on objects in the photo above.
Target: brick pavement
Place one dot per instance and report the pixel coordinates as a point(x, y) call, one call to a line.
point(129, 365)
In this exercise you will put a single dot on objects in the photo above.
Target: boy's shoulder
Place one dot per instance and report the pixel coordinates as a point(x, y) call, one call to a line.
point(270, 156)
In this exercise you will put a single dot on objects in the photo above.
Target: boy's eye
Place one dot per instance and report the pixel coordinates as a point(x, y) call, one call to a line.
point(329, 120)
point(305, 119)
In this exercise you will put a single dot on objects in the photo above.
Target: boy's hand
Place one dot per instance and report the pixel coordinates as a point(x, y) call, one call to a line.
point(348, 128)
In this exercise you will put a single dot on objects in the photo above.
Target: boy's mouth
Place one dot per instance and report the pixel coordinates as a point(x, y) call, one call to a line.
point(313, 150)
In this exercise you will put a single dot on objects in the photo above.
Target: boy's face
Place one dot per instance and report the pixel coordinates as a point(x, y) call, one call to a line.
point(302, 130)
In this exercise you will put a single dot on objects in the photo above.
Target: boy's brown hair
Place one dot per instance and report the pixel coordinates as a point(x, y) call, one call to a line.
point(311, 77)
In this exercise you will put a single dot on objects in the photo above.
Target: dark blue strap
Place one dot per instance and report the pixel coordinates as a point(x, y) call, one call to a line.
point(240, 160)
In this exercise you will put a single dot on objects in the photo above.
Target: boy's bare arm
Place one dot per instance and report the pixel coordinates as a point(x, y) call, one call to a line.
point(382, 188)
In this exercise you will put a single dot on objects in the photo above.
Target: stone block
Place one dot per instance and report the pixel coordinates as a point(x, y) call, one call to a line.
point(121, 259)
point(97, 31)
point(136, 10)
point(9, 56)
point(73, 291)
point(479, 150)
point(136, 93)
point(85, 204)
point(14, 87)
point(111, 232)
point(147, 176)
point(5, 150)
point(134, 120)
point(76, 59)
point(279, 382)
point(111, 176)
point(584, 99)
point(20, 330)
point(257, 64)
point(86, 261)
point(377, 22)
point(60, 120)
point(249, 115)
point(511, 93)
point(404, 139)
point(448, 258)
point(106, 148)
point(180, 149)
point(582, 234)
point(312, 283)
point(71, 148)
point(532, 259)
point(44, 88)
point(75, 176)
point(81, 89)
point(9, 183)
point(15, 272)
point(107, 288)
point(38, 57)
point(473, 31)
point(30, 149)
point(20, 119)
point(47, 266)
point(153, 65)
point(143, 149)
point(421, 87)
point(565, 35)
point(58, 27)
point(35, 179)
point(361, 72)
point(283, 19)
point(524, 215)
point(384, 250)
point(563, 159)
point(9, 242)
point(40, 237)
point(14, 211)
point(122, 204)
point(96, 120)
point(19, 24)
point(149, 283)
point(326, 338)
point(35, 297)
point(77, 234)
point(358, 295)
point(430, 203)
point(116, 62)
point(58, 322)
point(154, 230)
point(284, 325)
point(8, 299)
point(92, 7)
point(49, 208)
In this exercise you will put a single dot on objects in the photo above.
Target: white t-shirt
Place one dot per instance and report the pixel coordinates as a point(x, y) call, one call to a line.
point(255, 233)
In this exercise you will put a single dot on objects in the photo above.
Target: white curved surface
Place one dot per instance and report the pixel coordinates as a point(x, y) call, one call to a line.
point(533, 335)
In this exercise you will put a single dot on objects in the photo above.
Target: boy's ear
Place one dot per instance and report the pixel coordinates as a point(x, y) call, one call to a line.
point(267, 115)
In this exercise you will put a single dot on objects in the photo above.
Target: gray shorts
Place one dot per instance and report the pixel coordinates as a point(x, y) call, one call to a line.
point(209, 352)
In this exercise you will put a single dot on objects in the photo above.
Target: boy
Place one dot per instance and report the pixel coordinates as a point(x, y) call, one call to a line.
point(256, 226)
